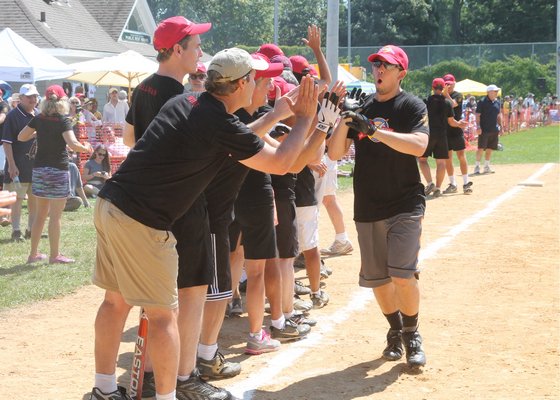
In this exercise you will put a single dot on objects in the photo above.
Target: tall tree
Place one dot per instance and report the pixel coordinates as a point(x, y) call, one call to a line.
point(392, 21)
point(296, 15)
point(234, 22)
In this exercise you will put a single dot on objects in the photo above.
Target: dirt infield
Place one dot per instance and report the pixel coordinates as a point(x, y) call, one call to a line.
point(489, 315)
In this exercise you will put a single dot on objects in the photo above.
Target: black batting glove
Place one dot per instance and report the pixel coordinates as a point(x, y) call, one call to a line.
point(354, 100)
point(359, 123)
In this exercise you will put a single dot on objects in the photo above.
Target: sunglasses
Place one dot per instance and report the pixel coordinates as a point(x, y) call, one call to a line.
point(102, 154)
point(199, 77)
point(387, 65)
point(438, 87)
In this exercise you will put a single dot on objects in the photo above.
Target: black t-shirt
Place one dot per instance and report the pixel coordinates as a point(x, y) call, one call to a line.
point(256, 189)
point(51, 146)
point(148, 98)
point(439, 109)
point(457, 115)
point(305, 189)
point(387, 182)
point(176, 158)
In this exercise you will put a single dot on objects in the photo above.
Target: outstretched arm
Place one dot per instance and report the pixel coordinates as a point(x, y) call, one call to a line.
point(313, 41)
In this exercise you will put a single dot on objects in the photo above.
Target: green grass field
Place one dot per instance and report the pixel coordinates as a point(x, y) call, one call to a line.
point(21, 283)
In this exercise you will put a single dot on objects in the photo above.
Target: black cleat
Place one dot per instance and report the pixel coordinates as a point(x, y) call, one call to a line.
point(415, 356)
point(394, 349)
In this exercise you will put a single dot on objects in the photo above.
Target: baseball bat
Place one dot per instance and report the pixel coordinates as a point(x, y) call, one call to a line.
point(138, 360)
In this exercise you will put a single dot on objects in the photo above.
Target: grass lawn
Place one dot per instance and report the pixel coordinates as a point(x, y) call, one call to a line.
point(23, 284)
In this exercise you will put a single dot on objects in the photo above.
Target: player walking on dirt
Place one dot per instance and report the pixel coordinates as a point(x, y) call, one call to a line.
point(389, 132)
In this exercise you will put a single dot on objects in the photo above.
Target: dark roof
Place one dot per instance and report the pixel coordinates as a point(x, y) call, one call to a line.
point(70, 24)
point(110, 14)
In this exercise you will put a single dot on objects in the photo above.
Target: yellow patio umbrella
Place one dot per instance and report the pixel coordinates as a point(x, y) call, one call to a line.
point(468, 86)
point(127, 69)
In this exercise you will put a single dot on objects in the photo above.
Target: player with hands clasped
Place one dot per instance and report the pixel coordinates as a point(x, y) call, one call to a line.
point(389, 198)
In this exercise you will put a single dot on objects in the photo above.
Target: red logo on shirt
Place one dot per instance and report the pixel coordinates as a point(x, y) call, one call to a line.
point(148, 89)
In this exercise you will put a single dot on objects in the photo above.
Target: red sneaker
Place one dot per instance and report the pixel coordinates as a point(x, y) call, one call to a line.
point(60, 259)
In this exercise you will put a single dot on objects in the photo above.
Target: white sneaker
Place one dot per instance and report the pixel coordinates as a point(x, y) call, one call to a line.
point(338, 248)
point(488, 170)
point(477, 170)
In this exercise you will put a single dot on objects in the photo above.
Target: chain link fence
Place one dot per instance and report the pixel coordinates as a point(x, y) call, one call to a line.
point(473, 54)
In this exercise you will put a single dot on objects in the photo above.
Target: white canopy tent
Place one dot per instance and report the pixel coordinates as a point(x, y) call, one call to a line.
point(22, 61)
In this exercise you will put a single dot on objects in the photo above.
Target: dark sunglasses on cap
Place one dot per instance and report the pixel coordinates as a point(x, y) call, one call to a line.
point(438, 87)
point(387, 65)
point(197, 76)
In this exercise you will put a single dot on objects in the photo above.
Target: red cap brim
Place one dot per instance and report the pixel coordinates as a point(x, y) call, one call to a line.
point(273, 70)
point(198, 29)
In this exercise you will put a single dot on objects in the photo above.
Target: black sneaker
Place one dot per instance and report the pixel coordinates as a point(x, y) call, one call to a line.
point(148, 385)
point(394, 349)
point(415, 356)
point(16, 236)
point(450, 189)
point(119, 394)
point(291, 331)
point(196, 388)
point(217, 367)
point(467, 188)
point(300, 318)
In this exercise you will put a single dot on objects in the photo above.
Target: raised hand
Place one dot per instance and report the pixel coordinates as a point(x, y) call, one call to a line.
point(306, 103)
point(354, 100)
point(329, 112)
point(313, 40)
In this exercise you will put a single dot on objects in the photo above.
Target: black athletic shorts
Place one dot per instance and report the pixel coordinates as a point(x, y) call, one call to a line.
point(220, 288)
point(258, 235)
point(196, 260)
point(286, 230)
point(437, 147)
point(488, 140)
point(456, 143)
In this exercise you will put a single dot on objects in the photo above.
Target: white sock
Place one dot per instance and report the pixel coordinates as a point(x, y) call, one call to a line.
point(168, 396)
point(342, 237)
point(289, 315)
point(106, 383)
point(486, 163)
point(257, 335)
point(452, 180)
point(465, 179)
point(207, 352)
point(243, 276)
point(279, 323)
point(438, 188)
point(477, 163)
point(317, 292)
point(182, 378)
point(429, 183)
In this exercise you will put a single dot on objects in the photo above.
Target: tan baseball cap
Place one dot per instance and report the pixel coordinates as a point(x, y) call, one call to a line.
point(235, 63)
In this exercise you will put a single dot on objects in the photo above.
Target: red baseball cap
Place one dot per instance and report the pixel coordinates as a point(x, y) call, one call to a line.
point(449, 78)
point(273, 69)
point(299, 63)
point(284, 86)
point(172, 30)
point(55, 90)
point(270, 50)
point(438, 82)
point(391, 54)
